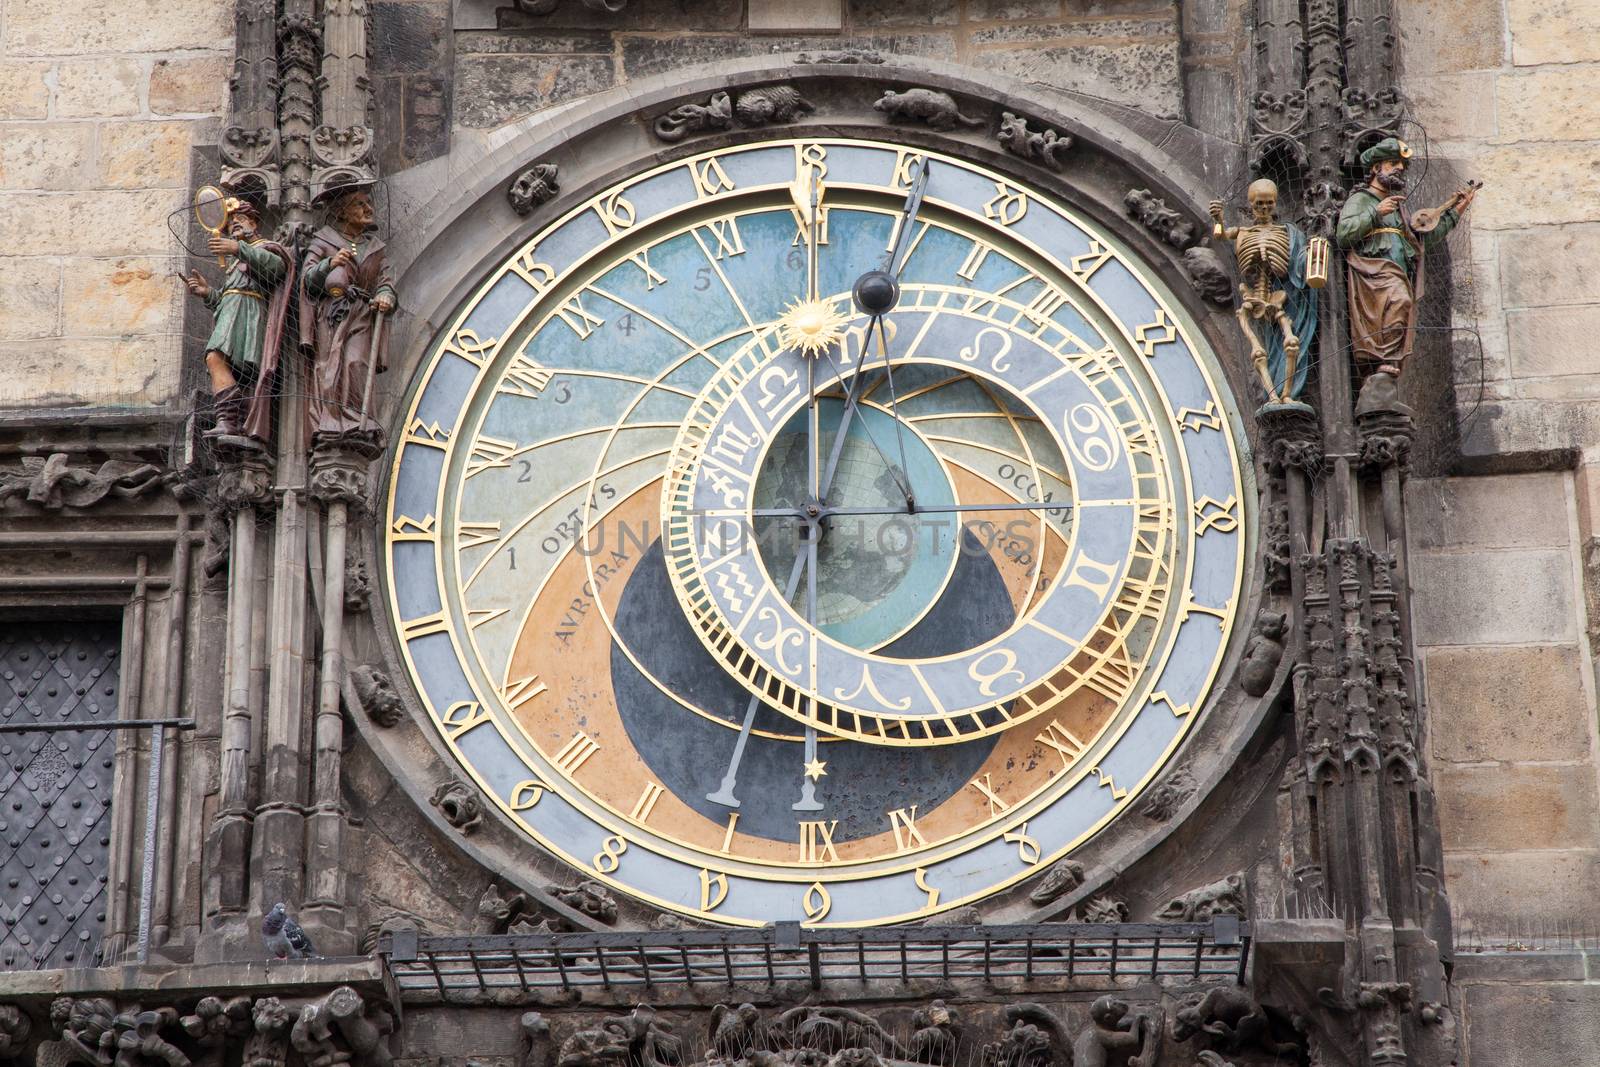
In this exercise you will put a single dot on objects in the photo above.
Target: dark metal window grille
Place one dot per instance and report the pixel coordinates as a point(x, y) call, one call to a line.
point(436, 968)
point(55, 790)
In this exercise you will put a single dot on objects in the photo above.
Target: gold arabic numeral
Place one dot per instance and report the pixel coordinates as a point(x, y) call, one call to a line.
point(1064, 741)
point(922, 884)
point(1007, 206)
point(1216, 515)
point(426, 626)
point(725, 238)
point(538, 275)
point(652, 278)
point(1151, 334)
point(1198, 419)
point(573, 314)
point(462, 716)
point(906, 166)
point(405, 528)
point(713, 889)
point(816, 842)
point(1092, 575)
point(809, 157)
point(489, 453)
point(609, 858)
point(524, 378)
point(1178, 710)
point(473, 534)
point(1106, 780)
point(709, 178)
point(997, 805)
point(817, 902)
point(466, 343)
point(646, 802)
point(616, 211)
point(430, 434)
point(903, 823)
point(1027, 847)
point(518, 693)
point(1084, 266)
point(974, 262)
point(526, 794)
point(1005, 665)
point(477, 617)
point(575, 753)
point(727, 836)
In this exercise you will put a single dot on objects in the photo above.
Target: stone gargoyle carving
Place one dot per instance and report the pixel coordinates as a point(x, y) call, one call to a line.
point(637, 1039)
point(1227, 1019)
point(534, 186)
point(1062, 879)
point(934, 109)
point(459, 804)
point(1222, 897)
point(1044, 145)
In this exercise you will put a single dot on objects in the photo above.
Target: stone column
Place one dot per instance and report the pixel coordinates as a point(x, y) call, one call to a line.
point(249, 145)
point(342, 142)
point(340, 484)
point(244, 486)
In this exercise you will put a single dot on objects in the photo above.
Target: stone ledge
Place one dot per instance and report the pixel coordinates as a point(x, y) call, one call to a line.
point(1561, 966)
point(171, 980)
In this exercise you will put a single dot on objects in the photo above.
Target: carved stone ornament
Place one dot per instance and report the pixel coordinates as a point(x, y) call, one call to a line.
point(1166, 223)
point(377, 695)
point(638, 1038)
point(1104, 909)
point(496, 913)
point(1062, 879)
point(1044, 146)
point(247, 482)
point(930, 107)
point(1118, 1034)
point(1037, 1038)
point(967, 916)
point(357, 587)
point(14, 1029)
point(337, 1028)
point(54, 482)
point(459, 804)
point(845, 55)
point(388, 923)
point(935, 1034)
point(590, 898)
point(1277, 121)
point(545, 7)
point(1168, 797)
point(535, 186)
point(715, 114)
point(1208, 276)
point(1222, 897)
point(339, 473)
point(535, 1036)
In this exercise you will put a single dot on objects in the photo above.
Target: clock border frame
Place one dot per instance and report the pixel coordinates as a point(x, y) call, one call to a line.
point(442, 245)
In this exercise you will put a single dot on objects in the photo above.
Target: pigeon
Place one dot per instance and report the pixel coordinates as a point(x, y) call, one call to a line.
point(283, 937)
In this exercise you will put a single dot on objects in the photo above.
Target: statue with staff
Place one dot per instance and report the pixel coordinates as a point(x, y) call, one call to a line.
point(249, 312)
point(346, 293)
point(1385, 256)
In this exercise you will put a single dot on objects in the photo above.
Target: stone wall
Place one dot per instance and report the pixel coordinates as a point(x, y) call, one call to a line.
point(1509, 92)
point(99, 109)
point(1500, 633)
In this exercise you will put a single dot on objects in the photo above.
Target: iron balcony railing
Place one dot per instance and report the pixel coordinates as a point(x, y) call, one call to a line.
point(447, 968)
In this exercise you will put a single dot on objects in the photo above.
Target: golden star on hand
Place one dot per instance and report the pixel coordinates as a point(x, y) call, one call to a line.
point(814, 769)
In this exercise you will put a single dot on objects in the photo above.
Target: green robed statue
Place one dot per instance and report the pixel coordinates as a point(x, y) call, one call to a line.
point(1386, 253)
point(249, 314)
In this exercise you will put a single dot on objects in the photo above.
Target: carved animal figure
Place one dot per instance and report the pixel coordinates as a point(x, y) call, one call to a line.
point(591, 898)
point(929, 106)
point(715, 114)
point(829, 1029)
point(1113, 1037)
point(1262, 655)
point(736, 1032)
point(1063, 878)
point(773, 103)
point(1229, 1019)
point(533, 187)
point(1263, 252)
point(1037, 1038)
point(1046, 146)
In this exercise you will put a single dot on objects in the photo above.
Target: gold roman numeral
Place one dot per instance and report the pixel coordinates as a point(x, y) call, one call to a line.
point(903, 822)
point(489, 453)
point(646, 802)
point(974, 262)
point(425, 626)
point(573, 314)
point(1066, 744)
point(473, 534)
point(524, 378)
point(816, 842)
point(575, 753)
point(518, 693)
point(986, 787)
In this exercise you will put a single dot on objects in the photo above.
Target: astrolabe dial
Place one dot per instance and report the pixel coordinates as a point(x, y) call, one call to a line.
point(760, 601)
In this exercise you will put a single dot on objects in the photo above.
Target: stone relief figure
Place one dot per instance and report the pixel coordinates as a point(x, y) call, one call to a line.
point(1278, 308)
point(1385, 250)
point(248, 312)
point(347, 288)
point(1118, 1035)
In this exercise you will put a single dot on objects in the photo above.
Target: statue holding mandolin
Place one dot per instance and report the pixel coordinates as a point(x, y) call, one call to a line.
point(1385, 255)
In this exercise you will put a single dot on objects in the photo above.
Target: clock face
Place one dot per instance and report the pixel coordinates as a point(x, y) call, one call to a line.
point(760, 611)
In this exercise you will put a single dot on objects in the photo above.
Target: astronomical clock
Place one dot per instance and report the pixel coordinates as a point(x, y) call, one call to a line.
point(822, 530)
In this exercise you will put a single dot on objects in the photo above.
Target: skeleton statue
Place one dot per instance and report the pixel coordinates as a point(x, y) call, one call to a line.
point(1278, 312)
